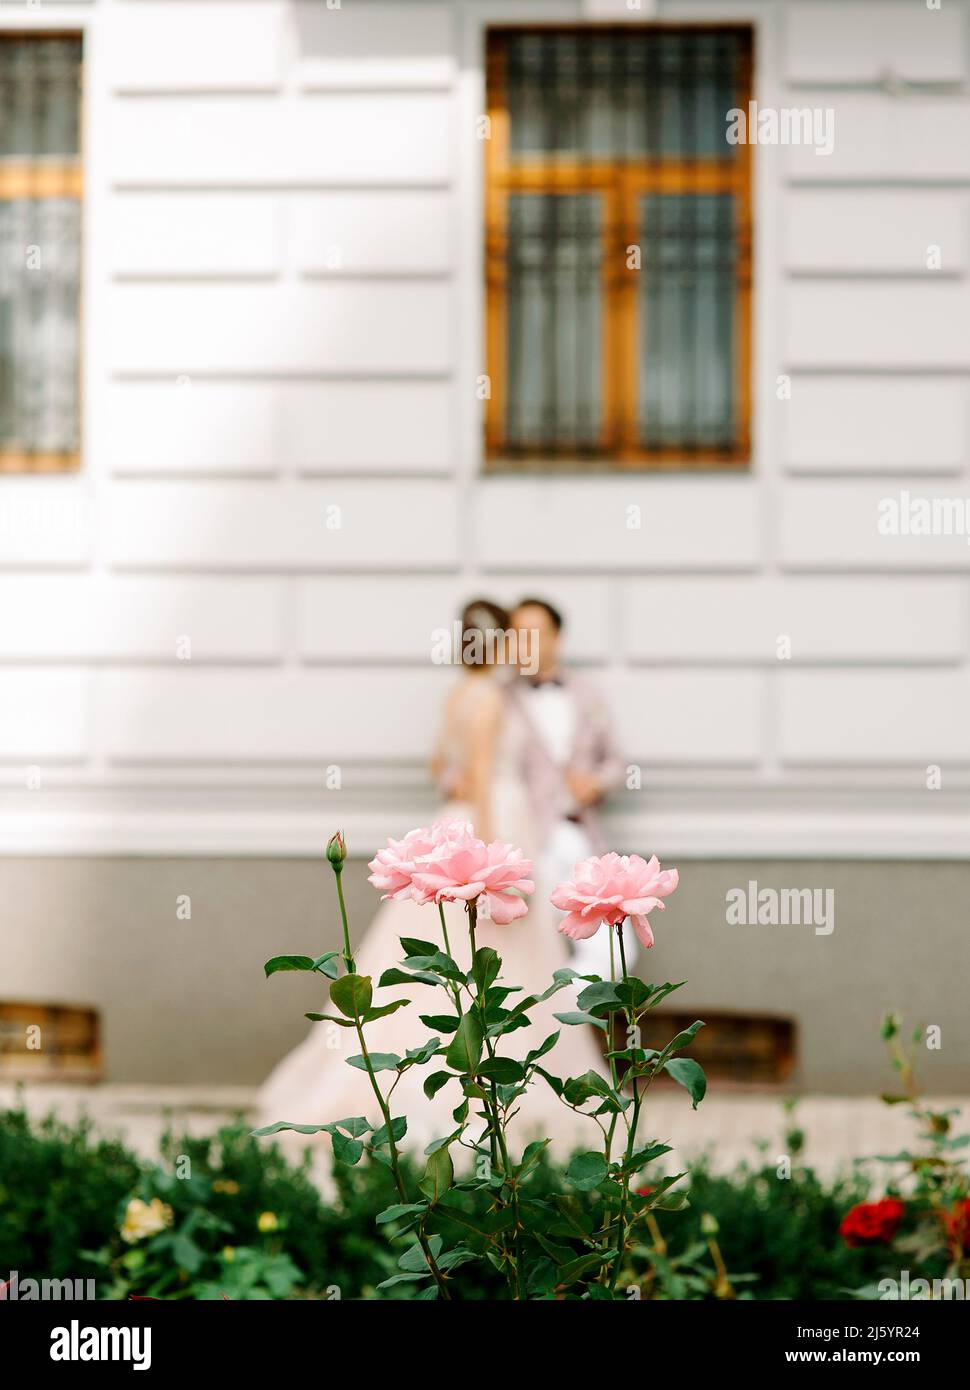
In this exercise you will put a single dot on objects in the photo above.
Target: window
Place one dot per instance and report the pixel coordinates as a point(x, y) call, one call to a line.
point(40, 237)
point(618, 248)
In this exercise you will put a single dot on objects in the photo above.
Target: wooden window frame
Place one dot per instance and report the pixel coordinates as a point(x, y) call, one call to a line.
point(48, 178)
point(622, 183)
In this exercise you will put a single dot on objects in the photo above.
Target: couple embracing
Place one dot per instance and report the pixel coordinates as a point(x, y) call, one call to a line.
point(525, 752)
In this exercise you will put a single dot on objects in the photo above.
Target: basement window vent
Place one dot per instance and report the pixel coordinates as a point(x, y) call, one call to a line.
point(749, 1049)
point(49, 1042)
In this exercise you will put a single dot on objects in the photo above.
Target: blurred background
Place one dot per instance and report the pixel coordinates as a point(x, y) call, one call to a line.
point(317, 319)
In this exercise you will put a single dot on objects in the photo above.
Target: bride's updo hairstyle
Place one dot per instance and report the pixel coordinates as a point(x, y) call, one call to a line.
point(483, 628)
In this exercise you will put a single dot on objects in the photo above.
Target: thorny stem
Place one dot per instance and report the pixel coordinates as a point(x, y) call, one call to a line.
point(396, 1162)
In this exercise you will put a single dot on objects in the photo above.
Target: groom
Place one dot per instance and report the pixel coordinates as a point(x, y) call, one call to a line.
point(570, 763)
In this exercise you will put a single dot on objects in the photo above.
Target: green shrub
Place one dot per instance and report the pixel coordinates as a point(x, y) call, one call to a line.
point(247, 1224)
point(60, 1187)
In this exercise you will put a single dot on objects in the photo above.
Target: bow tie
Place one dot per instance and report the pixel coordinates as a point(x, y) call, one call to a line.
point(537, 684)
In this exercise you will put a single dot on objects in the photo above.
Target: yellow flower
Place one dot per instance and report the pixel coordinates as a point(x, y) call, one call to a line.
point(145, 1219)
point(268, 1222)
point(228, 1253)
point(226, 1185)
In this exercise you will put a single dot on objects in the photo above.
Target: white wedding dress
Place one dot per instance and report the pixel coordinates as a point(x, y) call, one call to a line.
point(315, 1085)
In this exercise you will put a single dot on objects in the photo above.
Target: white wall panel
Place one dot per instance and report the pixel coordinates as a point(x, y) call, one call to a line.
point(134, 618)
point(375, 45)
point(201, 234)
point(43, 716)
point(852, 41)
point(885, 138)
point(191, 424)
point(666, 717)
point(736, 618)
point(836, 525)
point(615, 524)
point(882, 717)
point(260, 525)
point(253, 717)
point(374, 326)
point(876, 422)
point(354, 139)
point(157, 46)
point(373, 232)
point(865, 324)
point(876, 231)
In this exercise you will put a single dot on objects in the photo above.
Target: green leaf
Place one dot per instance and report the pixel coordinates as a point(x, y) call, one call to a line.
point(399, 1127)
point(632, 992)
point(278, 963)
point(330, 1018)
point(417, 1056)
point(439, 1175)
point(412, 946)
point(682, 1039)
point(346, 1150)
point(601, 995)
point(580, 1088)
point(284, 1124)
point(384, 1010)
point(398, 1210)
point(543, 1047)
point(505, 1070)
point(401, 977)
point(352, 994)
point(434, 1083)
point(328, 964)
point(414, 1260)
point(437, 963)
point(465, 1050)
point(575, 1016)
point(644, 1156)
point(355, 1125)
point(689, 1074)
point(441, 1023)
point(402, 1279)
point(531, 1155)
point(380, 1061)
point(569, 1273)
point(485, 967)
point(587, 1170)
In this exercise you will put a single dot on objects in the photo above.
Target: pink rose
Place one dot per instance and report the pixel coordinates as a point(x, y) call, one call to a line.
point(610, 888)
point(465, 869)
point(392, 869)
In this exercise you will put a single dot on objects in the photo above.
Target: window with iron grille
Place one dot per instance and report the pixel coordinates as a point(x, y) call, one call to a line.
point(40, 238)
point(618, 248)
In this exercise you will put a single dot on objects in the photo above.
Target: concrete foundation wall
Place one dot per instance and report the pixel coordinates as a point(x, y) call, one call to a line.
point(185, 1001)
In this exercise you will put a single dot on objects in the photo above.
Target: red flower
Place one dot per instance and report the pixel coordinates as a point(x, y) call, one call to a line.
point(958, 1223)
point(872, 1221)
point(644, 1191)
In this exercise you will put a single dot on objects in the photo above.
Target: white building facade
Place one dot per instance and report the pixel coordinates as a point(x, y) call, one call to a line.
point(215, 633)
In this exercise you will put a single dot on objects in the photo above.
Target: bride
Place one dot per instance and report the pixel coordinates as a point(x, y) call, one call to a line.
point(477, 760)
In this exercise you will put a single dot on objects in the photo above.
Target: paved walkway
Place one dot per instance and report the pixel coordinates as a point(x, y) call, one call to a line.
point(732, 1127)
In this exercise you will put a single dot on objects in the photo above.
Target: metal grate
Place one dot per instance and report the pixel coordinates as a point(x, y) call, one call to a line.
point(49, 1042)
point(748, 1049)
point(618, 245)
point(40, 234)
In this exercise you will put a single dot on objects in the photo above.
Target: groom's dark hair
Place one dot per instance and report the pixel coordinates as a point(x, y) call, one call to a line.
point(553, 612)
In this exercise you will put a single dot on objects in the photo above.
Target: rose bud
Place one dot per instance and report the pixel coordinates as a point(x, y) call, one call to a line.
point(337, 850)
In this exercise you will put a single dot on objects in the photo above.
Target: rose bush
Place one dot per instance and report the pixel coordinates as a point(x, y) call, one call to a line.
point(544, 1247)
